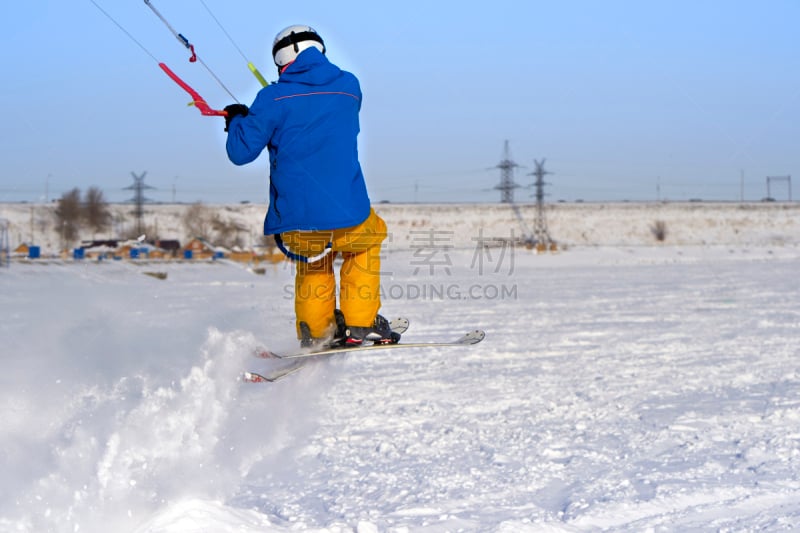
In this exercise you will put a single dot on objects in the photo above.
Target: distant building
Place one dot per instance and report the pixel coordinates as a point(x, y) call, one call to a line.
point(199, 248)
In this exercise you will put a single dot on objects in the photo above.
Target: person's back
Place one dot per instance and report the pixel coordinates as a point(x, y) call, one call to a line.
point(319, 205)
point(309, 123)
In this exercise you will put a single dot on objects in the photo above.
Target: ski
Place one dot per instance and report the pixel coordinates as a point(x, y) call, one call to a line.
point(300, 359)
point(472, 337)
point(255, 377)
point(397, 325)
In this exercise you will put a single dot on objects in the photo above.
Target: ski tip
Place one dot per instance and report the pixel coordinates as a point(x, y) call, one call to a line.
point(252, 377)
point(264, 353)
point(473, 337)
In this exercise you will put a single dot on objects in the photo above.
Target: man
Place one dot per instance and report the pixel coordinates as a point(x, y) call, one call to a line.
point(319, 205)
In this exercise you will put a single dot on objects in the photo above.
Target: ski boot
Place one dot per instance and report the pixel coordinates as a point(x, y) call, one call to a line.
point(340, 333)
point(306, 340)
point(379, 333)
point(336, 340)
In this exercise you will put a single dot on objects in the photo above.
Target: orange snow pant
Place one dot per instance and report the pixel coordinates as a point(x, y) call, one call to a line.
point(359, 275)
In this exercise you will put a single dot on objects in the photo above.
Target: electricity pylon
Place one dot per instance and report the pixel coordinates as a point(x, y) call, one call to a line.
point(138, 198)
point(507, 184)
point(540, 232)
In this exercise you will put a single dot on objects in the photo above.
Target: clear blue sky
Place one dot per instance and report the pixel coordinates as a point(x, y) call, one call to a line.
point(626, 99)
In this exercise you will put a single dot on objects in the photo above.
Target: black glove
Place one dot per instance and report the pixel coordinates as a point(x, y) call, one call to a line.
point(234, 110)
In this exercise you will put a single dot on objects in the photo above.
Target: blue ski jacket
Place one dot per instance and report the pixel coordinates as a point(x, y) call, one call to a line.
point(308, 121)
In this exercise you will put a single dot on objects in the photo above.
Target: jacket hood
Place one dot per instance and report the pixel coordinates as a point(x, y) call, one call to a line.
point(311, 68)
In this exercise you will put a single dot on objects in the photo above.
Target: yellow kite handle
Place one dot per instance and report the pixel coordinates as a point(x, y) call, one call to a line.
point(257, 74)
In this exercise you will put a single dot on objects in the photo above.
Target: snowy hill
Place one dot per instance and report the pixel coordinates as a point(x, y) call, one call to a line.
point(461, 225)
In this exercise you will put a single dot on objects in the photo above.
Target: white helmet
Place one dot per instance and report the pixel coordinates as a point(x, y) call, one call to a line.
point(291, 41)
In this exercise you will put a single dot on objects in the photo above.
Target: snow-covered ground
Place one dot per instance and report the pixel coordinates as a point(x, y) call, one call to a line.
point(621, 388)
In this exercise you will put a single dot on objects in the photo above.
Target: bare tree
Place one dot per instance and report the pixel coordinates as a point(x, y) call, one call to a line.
point(659, 230)
point(198, 221)
point(227, 232)
point(95, 212)
point(68, 216)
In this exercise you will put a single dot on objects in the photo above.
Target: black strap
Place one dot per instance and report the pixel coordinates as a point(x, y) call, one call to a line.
point(294, 38)
point(302, 258)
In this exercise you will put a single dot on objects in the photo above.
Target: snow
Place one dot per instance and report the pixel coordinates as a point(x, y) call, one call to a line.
point(578, 224)
point(629, 388)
